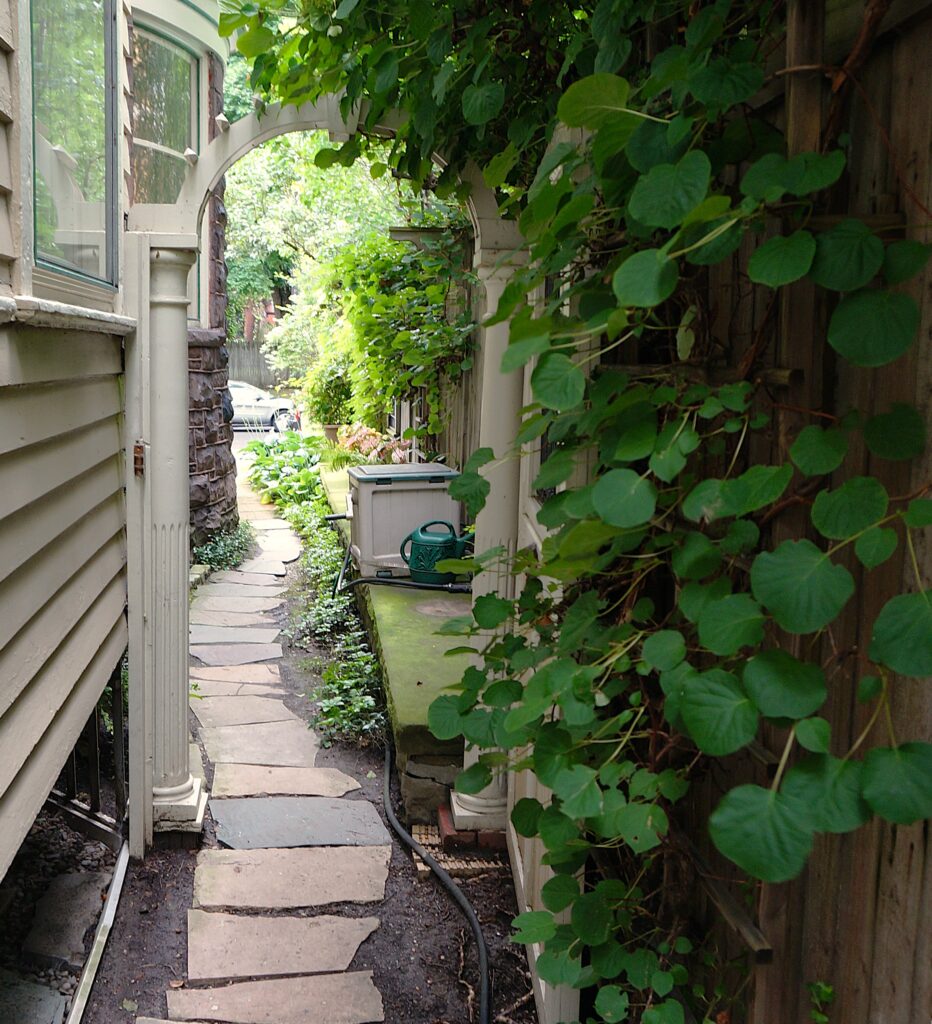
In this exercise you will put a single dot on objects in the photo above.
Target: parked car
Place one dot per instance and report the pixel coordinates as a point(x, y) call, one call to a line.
point(255, 409)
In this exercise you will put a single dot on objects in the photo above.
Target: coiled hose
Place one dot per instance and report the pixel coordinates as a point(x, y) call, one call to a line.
point(451, 887)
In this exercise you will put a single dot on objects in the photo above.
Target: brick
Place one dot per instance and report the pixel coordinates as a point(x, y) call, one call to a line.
point(452, 838)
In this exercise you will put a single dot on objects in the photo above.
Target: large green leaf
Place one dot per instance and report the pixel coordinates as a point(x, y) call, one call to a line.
point(875, 546)
point(857, 504)
point(611, 1004)
point(831, 789)
point(800, 585)
point(918, 513)
point(483, 102)
point(755, 488)
point(783, 259)
point(769, 835)
point(624, 498)
point(641, 825)
point(819, 450)
point(533, 926)
point(591, 918)
point(904, 259)
point(898, 434)
point(897, 784)
point(696, 558)
point(490, 611)
point(559, 892)
point(662, 197)
point(719, 715)
point(783, 687)
point(444, 718)
point(664, 650)
point(874, 327)
point(557, 382)
point(902, 635)
point(645, 279)
point(579, 792)
point(593, 100)
point(727, 625)
point(847, 257)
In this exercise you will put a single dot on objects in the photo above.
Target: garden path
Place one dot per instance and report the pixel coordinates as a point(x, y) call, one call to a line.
point(276, 918)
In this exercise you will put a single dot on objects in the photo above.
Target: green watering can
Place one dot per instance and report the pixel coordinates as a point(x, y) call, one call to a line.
point(428, 547)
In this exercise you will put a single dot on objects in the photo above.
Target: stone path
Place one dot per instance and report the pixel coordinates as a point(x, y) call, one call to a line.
point(259, 950)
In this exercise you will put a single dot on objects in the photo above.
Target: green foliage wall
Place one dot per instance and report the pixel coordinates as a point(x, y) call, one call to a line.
point(690, 596)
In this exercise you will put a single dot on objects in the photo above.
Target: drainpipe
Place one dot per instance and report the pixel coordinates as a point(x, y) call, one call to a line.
point(177, 796)
point(501, 398)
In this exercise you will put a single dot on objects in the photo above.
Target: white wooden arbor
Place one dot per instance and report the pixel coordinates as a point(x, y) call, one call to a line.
point(162, 245)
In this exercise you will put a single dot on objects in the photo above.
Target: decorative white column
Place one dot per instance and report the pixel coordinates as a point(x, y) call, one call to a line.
point(497, 524)
point(176, 794)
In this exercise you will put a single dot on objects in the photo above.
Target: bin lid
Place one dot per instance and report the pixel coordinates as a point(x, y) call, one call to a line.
point(431, 472)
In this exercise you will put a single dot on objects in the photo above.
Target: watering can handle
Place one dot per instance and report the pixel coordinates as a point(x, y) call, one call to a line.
point(408, 540)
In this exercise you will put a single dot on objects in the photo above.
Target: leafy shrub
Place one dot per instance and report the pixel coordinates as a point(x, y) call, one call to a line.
point(285, 470)
point(349, 697)
point(328, 390)
point(226, 550)
point(373, 446)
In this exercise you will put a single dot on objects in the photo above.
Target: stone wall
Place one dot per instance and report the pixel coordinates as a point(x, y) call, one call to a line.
point(212, 466)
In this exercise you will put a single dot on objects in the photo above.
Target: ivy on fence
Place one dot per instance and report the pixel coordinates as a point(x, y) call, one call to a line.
point(665, 621)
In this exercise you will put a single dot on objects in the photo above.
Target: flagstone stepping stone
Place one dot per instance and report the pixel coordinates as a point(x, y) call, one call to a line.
point(70, 906)
point(239, 590)
point(202, 617)
point(213, 712)
point(263, 565)
point(232, 603)
point(259, 579)
point(26, 1002)
point(350, 998)
point(290, 879)
point(233, 634)
point(238, 673)
point(286, 744)
point(208, 688)
point(259, 780)
point(225, 946)
point(235, 654)
point(284, 821)
point(273, 524)
point(262, 512)
point(285, 548)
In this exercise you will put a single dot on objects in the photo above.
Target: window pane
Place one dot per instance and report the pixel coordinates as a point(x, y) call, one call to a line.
point(161, 93)
point(158, 176)
point(70, 111)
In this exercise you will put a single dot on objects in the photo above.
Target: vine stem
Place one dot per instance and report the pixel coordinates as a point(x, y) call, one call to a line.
point(784, 757)
point(912, 557)
point(865, 732)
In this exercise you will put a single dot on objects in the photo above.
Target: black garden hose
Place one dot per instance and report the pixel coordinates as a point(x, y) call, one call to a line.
point(451, 887)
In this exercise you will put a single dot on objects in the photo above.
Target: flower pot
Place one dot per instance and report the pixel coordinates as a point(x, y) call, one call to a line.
point(330, 432)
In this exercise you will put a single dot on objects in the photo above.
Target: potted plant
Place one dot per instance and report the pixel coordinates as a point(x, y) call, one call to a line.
point(328, 394)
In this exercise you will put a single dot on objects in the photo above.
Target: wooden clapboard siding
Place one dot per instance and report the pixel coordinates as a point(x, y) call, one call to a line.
point(62, 553)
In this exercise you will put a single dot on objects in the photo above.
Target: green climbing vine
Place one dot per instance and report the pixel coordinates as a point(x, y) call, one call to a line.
point(685, 601)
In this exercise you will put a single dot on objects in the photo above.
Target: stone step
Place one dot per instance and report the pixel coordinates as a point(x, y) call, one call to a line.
point(232, 603)
point(235, 654)
point(282, 744)
point(209, 688)
point(265, 566)
point(215, 712)
point(290, 879)
point(223, 947)
point(202, 617)
point(232, 780)
point(238, 590)
point(287, 821)
point(331, 998)
point(238, 673)
point(257, 579)
point(233, 634)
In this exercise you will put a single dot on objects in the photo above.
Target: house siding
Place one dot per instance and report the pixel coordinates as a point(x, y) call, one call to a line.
point(62, 553)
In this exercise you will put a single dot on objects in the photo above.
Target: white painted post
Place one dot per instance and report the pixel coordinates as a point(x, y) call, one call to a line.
point(497, 524)
point(176, 794)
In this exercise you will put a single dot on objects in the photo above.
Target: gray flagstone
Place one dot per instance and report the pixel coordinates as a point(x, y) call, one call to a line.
point(261, 673)
point(267, 566)
point(230, 602)
point(259, 579)
point(213, 712)
point(203, 617)
point(233, 634)
point(261, 780)
point(238, 590)
point(288, 744)
point(285, 821)
point(235, 654)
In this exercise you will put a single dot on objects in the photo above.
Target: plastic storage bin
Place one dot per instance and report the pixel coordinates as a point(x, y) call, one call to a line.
point(385, 503)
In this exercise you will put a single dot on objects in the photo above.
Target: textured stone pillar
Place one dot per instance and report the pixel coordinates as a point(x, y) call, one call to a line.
point(177, 796)
point(497, 523)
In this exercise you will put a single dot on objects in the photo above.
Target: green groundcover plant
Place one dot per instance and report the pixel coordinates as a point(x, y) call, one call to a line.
point(669, 617)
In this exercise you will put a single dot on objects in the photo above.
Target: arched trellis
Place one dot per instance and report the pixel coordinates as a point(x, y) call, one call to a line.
point(161, 245)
